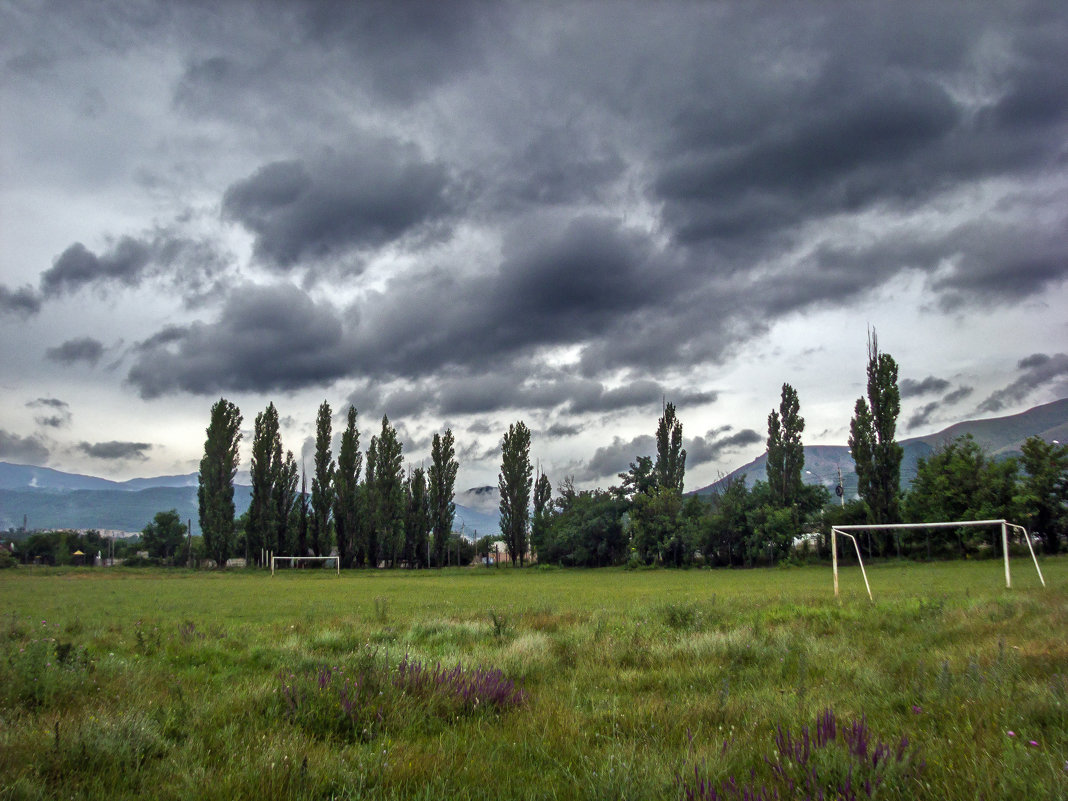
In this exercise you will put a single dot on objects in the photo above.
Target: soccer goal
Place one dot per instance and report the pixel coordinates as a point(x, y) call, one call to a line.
point(301, 559)
point(1004, 524)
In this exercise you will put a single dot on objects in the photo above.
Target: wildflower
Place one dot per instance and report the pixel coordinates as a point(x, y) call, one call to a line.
point(917, 709)
point(1033, 743)
point(1012, 733)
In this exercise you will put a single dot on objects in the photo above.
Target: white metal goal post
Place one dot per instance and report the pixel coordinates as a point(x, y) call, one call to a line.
point(1005, 526)
point(298, 559)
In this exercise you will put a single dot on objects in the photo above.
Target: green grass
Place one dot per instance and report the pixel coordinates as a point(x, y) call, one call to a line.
point(169, 684)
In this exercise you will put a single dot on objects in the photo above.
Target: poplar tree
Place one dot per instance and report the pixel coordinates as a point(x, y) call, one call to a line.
point(542, 517)
point(441, 489)
point(284, 500)
point(215, 482)
point(346, 488)
point(418, 521)
point(670, 468)
point(786, 454)
point(871, 438)
point(514, 482)
point(301, 513)
point(385, 485)
point(322, 484)
point(266, 440)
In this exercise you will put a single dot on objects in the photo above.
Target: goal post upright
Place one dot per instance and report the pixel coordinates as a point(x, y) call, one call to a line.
point(1004, 524)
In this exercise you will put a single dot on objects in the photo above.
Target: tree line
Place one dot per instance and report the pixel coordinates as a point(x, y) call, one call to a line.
point(647, 520)
point(364, 505)
point(374, 514)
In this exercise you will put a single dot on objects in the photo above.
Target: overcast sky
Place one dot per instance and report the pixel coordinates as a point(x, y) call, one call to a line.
point(466, 214)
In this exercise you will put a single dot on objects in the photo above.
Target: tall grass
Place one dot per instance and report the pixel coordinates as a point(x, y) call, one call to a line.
point(532, 684)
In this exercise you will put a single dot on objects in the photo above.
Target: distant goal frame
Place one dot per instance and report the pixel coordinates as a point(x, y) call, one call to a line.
point(337, 560)
point(1004, 524)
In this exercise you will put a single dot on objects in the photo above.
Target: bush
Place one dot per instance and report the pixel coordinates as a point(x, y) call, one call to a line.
point(140, 561)
point(6, 559)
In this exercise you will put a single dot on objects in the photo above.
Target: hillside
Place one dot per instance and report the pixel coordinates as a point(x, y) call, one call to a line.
point(998, 436)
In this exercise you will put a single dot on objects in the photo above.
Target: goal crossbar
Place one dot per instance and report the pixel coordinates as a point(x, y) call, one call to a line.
point(337, 560)
point(1004, 524)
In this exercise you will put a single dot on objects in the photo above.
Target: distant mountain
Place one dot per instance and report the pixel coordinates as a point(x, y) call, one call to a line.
point(478, 512)
point(21, 476)
point(999, 436)
point(111, 509)
point(48, 499)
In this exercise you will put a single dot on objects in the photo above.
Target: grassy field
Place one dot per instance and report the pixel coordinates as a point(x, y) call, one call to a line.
point(572, 684)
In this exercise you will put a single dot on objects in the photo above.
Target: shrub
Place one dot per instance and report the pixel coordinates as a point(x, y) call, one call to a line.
point(359, 703)
point(834, 760)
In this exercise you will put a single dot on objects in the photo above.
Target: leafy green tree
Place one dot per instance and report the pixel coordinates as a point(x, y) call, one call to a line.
point(542, 517)
point(1044, 490)
point(385, 486)
point(300, 518)
point(262, 525)
point(215, 488)
point(670, 469)
point(958, 481)
point(442, 487)
point(640, 478)
point(418, 521)
point(728, 527)
point(871, 438)
point(322, 494)
point(164, 537)
point(585, 529)
point(284, 500)
point(655, 524)
point(514, 482)
point(346, 488)
point(786, 454)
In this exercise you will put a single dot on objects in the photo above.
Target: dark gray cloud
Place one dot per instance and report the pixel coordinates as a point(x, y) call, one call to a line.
point(922, 415)
point(911, 388)
point(77, 266)
point(401, 51)
point(23, 450)
point(307, 210)
point(959, 394)
point(23, 301)
point(187, 263)
point(115, 451)
point(83, 349)
point(53, 413)
point(560, 430)
point(710, 447)
point(266, 338)
point(1037, 370)
point(610, 460)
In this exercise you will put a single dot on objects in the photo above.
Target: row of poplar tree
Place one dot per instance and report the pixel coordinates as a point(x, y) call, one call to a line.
point(367, 508)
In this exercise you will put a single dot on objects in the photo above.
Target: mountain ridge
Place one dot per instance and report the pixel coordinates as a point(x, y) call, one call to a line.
point(998, 436)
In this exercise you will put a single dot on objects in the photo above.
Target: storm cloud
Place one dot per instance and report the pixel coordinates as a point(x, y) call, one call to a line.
point(83, 349)
point(710, 447)
point(370, 196)
point(563, 213)
point(23, 301)
point(23, 450)
point(115, 451)
point(911, 388)
point(52, 412)
point(1037, 370)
